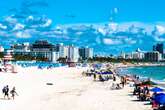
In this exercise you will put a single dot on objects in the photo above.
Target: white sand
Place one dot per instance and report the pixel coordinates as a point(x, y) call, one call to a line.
point(71, 91)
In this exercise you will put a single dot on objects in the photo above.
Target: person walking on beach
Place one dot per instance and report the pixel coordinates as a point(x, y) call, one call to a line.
point(5, 90)
point(13, 93)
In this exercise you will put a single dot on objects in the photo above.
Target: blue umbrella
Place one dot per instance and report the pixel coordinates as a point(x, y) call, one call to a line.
point(110, 72)
point(160, 98)
point(156, 89)
point(104, 73)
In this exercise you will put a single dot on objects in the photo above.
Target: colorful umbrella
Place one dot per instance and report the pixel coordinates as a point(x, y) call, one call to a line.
point(160, 98)
point(156, 89)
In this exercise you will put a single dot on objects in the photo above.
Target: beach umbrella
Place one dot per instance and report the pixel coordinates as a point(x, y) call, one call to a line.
point(110, 72)
point(106, 72)
point(156, 89)
point(160, 98)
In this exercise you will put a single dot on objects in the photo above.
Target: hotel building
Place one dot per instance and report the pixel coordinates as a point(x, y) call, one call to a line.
point(21, 48)
point(43, 49)
point(73, 54)
point(153, 56)
point(85, 53)
point(63, 50)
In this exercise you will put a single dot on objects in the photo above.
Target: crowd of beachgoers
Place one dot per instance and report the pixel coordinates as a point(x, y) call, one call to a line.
point(98, 86)
point(144, 89)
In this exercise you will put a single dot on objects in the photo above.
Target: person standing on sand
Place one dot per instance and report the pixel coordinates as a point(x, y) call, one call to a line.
point(114, 77)
point(13, 93)
point(122, 81)
point(6, 91)
point(94, 77)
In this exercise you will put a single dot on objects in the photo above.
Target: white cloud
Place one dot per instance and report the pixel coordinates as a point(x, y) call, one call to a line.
point(130, 41)
point(10, 19)
point(2, 26)
point(109, 41)
point(113, 26)
point(102, 31)
point(18, 26)
point(79, 33)
point(23, 34)
point(30, 17)
point(4, 34)
point(159, 39)
point(48, 23)
point(160, 29)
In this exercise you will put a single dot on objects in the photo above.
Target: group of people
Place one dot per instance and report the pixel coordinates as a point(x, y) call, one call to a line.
point(119, 85)
point(142, 92)
point(101, 77)
point(6, 91)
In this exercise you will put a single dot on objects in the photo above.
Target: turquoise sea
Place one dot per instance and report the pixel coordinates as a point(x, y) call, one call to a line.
point(38, 64)
point(153, 72)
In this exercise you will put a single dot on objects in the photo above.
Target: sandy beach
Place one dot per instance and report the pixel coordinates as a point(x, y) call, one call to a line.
point(70, 91)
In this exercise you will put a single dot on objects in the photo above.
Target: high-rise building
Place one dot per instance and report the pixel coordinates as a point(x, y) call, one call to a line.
point(153, 56)
point(73, 53)
point(63, 50)
point(159, 47)
point(23, 48)
point(42, 49)
point(123, 55)
point(138, 54)
point(86, 52)
point(55, 57)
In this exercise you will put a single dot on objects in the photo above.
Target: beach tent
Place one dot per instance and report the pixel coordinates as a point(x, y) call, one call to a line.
point(160, 98)
point(156, 89)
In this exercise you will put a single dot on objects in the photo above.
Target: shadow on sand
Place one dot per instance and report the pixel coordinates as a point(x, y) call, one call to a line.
point(4, 99)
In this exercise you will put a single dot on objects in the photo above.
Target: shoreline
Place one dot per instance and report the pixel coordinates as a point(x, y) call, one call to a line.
point(159, 83)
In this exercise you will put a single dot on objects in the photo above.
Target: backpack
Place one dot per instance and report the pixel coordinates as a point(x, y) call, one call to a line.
point(4, 90)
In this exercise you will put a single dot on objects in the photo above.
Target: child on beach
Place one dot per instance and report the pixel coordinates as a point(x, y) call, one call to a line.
point(13, 93)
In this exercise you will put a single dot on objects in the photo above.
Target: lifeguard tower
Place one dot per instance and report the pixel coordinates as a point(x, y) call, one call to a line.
point(7, 63)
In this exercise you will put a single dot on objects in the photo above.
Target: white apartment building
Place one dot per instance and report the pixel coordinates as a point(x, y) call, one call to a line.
point(73, 54)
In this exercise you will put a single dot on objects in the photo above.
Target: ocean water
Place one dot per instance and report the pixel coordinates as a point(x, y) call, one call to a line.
point(38, 64)
point(153, 72)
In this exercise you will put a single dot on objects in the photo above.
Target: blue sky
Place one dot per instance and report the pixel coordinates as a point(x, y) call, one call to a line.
point(96, 11)
point(108, 26)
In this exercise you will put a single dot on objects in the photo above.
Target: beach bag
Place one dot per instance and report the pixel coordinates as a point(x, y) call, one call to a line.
point(155, 106)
